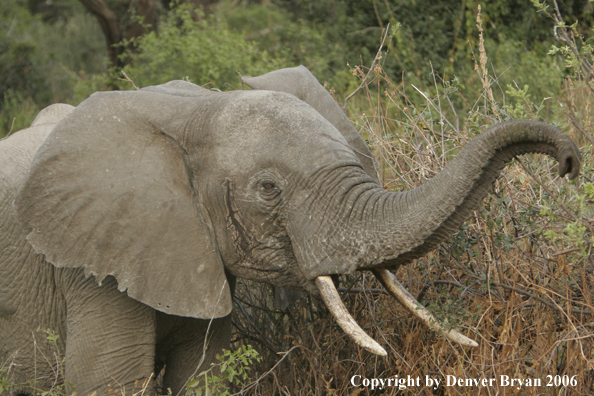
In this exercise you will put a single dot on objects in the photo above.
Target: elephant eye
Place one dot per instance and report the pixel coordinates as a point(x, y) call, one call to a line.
point(270, 189)
point(268, 185)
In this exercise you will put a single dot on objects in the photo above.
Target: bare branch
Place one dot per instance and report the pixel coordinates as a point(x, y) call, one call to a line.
point(371, 68)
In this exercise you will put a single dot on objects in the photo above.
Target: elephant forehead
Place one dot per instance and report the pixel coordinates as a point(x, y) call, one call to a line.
point(267, 113)
point(276, 124)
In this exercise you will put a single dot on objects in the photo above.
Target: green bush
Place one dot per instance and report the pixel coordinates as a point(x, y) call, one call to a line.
point(41, 61)
point(189, 45)
point(233, 368)
point(292, 41)
point(17, 112)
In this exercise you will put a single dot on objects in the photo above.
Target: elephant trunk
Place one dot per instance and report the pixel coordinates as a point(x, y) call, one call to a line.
point(362, 226)
point(377, 229)
point(424, 217)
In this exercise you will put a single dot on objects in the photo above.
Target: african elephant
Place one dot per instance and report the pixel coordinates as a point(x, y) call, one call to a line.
point(126, 220)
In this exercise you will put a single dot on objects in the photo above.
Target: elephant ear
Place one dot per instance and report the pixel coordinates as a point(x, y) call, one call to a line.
point(299, 82)
point(109, 191)
point(52, 114)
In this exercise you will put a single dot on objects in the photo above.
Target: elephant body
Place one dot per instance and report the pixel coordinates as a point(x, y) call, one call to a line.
point(109, 340)
point(25, 274)
point(126, 221)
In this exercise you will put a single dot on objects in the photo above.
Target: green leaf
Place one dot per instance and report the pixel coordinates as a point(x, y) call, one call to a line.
point(192, 383)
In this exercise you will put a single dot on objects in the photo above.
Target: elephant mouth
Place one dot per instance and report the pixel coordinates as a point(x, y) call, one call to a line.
point(330, 296)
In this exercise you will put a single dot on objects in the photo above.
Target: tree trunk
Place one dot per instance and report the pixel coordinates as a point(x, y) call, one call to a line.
point(117, 25)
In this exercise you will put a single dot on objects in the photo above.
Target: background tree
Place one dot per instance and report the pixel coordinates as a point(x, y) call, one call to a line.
point(122, 21)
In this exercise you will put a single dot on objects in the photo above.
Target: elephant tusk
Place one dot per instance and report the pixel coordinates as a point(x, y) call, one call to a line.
point(398, 291)
point(344, 318)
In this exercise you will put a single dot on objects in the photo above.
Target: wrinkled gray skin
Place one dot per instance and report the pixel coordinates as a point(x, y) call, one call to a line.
point(125, 224)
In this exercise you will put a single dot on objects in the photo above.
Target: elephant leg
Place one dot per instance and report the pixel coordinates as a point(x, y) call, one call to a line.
point(110, 338)
point(182, 346)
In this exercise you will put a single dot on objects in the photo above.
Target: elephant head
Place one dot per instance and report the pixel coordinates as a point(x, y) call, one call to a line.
point(173, 188)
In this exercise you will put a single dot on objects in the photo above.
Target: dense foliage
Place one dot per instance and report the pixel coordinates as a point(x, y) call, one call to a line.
point(54, 51)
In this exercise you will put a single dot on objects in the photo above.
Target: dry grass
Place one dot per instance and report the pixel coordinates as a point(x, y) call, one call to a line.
point(516, 278)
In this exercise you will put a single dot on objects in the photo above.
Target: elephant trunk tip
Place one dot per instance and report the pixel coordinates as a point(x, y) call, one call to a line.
point(569, 163)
